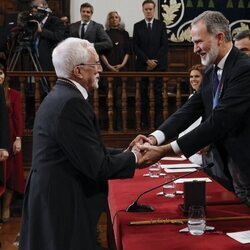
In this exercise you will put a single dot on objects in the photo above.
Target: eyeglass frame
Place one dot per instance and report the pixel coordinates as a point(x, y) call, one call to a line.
point(98, 64)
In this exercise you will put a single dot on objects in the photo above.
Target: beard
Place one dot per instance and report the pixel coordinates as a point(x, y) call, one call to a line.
point(96, 83)
point(211, 55)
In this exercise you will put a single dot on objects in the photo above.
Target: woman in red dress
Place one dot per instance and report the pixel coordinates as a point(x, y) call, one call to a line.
point(15, 174)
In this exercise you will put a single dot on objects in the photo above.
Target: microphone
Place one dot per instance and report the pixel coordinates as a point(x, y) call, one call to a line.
point(136, 207)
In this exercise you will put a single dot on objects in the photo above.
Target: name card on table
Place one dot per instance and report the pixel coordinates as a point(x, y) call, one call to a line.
point(185, 165)
point(242, 237)
point(179, 170)
point(199, 179)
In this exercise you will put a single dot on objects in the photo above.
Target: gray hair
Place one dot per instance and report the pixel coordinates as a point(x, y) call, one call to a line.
point(121, 25)
point(215, 22)
point(37, 3)
point(70, 53)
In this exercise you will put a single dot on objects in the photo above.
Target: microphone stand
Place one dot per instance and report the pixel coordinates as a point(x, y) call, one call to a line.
point(136, 207)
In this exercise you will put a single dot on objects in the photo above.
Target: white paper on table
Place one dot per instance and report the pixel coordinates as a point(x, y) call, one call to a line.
point(161, 174)
point(242, 237)
point(193, 179)
point(168, 158)
point(179, 170)
point(187, 165)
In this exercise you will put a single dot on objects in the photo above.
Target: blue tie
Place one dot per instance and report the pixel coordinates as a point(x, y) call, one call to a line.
point(216, 83)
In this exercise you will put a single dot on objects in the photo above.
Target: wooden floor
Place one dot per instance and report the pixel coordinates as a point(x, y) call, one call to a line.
point(9, 233)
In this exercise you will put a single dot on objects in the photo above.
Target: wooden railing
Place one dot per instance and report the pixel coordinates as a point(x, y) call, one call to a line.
point(130, 81)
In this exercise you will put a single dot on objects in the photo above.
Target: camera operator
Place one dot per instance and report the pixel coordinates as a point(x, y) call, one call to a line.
point(50, 31)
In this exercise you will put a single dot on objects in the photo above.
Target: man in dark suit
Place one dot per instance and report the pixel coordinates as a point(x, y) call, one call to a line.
point(223, 100)
point(150, 47)
point(90, 30)
point(50, 31)
point(70, 164)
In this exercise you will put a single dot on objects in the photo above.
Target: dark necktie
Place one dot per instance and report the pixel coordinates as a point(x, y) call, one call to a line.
point(83, 30)
point(149, 26)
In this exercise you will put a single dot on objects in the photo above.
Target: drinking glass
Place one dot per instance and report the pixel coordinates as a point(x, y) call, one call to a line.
point(196, 220)
point(155, 170)
point(169, 189)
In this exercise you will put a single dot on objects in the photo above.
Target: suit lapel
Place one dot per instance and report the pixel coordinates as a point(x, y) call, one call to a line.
point(233, 55)
point(89, 29)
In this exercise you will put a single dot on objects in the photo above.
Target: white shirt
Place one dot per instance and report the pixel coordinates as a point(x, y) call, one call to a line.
point(81, 89)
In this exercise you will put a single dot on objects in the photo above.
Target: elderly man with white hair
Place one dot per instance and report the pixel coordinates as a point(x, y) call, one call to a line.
point(70, 163)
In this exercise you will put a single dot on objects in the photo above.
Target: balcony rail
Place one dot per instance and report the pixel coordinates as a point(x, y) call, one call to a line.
point(103, 98)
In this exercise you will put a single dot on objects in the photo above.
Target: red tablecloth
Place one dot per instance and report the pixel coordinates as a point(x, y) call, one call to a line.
point(220, 203)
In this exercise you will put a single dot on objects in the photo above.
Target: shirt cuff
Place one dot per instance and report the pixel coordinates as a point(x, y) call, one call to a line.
point(159, 136)
point(135, 156)
point(175, 147)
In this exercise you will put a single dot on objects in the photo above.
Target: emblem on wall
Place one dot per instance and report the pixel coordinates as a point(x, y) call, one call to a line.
point(178, 15)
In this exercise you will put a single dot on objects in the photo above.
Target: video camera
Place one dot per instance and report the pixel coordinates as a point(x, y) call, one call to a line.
point(26, 23)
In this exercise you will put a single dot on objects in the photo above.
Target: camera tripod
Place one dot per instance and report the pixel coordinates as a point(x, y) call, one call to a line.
point(24, 46)
point(27, 46)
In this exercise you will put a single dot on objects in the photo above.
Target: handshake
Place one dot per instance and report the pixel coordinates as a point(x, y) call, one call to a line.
point(147, 151)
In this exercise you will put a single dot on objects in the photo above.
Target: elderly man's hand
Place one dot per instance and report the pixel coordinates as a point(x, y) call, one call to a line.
point(152, 154)
point(139, 139)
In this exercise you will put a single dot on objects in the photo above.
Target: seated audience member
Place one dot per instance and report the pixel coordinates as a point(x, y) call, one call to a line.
point(14, 169)
point(116, 58)
point(195, 79)
point(242, 41)
point(70, 163)
point(90, 30)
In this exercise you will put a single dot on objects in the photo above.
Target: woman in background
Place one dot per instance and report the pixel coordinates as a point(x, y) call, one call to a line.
point(14, 169)
point(195, 78)
point(116, 58)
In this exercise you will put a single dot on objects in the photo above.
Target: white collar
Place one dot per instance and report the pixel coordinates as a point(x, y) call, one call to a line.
point(86, 23)
point(151, 21)
point(223, 60)
point(81, 89)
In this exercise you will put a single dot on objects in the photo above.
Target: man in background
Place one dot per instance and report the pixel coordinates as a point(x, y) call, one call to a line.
point(50, 31)
point(150, 47)
point(242, 41)
point(90, 30)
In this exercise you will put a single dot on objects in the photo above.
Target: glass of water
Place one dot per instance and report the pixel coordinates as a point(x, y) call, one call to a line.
point(155, 170)
point(169, 189)
point(196, 220)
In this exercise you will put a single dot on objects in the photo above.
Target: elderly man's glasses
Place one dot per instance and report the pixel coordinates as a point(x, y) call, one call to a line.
point(98, 65)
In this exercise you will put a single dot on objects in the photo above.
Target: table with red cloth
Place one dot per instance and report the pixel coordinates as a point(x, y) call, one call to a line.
point(220, 203)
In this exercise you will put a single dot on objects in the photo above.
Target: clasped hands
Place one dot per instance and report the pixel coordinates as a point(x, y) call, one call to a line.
point(146, 150)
